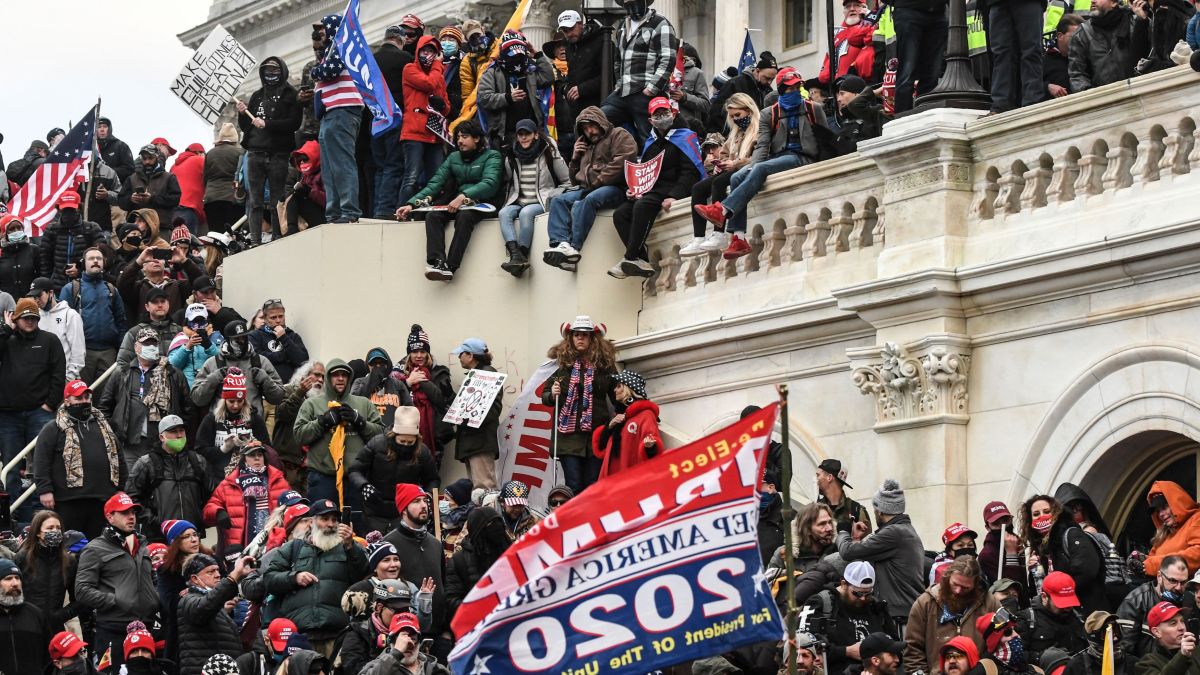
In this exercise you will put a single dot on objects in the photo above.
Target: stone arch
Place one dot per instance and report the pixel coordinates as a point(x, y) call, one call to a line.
point(1142, 387)
point(806, 451)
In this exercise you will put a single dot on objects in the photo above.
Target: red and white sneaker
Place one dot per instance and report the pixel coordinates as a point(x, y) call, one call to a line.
point(738, 247)
point(713, 213)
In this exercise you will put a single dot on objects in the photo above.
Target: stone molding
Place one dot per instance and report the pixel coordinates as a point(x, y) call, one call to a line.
point(913, 389)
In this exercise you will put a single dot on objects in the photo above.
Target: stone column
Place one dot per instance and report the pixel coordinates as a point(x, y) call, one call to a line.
point(731, 19)
point(672, 10)
point(539, 23)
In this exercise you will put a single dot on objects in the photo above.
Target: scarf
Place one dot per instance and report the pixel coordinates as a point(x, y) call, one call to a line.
point(73, 451)
point(530, 154)
point(253, 483)
point(1111, 21)
point(158, 395)
point(561, 66)
point(576, 413)
point(337, 452)
point(428, 414)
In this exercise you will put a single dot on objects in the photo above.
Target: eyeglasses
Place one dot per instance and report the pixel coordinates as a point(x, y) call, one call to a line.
point(1173, 582)
point(862, 595)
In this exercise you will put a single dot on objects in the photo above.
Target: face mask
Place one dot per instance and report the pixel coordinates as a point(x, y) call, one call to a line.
point(133, 240)
point(449, 47)
point(17, 236)
point(69, 217)
point(426, 60)
point(790, 100)
point(80, 411)
point(765, 500)
point(1173, 597)
point(306, 167)
point(150, 352)
point(966, 551)
point(662, 122)
point(405, 451)
point(49, 303)
point(52, 538)
point(174, 445)
point(1042, 523)
point(444, 507)
point(271, 78)
point(1016, 652)
point(637, 9)
point(742, 123)
point(1079, 517)
point(77, 668)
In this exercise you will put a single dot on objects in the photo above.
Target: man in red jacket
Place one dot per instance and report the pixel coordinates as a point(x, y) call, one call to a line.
point(852, 41)
point(424, 88)
point(189, 171)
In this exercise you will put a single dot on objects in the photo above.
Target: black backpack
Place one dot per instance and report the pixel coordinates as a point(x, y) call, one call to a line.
point(19, 171)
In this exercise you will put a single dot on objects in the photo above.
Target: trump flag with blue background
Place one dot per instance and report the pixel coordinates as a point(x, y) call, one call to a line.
point(653, 566)
point(355, 51)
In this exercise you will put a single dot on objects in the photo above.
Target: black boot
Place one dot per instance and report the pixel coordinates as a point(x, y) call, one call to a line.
point(524, 258)
point(516, 263)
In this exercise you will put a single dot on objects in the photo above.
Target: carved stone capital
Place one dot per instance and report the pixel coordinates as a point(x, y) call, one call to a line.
point(915, 389)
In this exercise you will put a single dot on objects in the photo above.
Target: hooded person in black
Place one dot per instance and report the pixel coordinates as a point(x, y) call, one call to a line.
point(269, 122)
point(485, 542)
point(113, 150)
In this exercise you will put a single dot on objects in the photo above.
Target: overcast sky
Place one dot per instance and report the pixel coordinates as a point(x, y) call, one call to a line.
point(60, 56)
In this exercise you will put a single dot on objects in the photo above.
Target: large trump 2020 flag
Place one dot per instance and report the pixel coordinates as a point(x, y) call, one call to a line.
point(651, 567)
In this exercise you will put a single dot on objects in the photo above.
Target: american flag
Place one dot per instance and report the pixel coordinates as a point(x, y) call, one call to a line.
point(66, 166)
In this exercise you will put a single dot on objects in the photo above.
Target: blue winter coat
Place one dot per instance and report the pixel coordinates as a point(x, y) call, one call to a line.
point(102, 309)
point(189, 360)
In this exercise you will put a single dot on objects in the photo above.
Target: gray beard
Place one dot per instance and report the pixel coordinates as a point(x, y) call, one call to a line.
point(12, 600)
point(323, 541)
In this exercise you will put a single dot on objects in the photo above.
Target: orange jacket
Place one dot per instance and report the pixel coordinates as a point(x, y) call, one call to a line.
point(1186, 539)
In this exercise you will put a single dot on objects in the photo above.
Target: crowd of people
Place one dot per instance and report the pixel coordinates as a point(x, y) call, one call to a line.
point(333, 546)
point(532, 133)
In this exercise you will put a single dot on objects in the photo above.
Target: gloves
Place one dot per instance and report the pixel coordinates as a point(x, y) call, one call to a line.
point(303, 189)
point(368, 492)
point(1136, 564)
point(223, 521)
point(844, 526)
point(330, 419)
point(350, 416)
point(437, 103)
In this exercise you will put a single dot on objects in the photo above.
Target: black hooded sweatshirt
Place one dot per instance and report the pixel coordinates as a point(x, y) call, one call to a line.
point(276, 105)
point(115, 153)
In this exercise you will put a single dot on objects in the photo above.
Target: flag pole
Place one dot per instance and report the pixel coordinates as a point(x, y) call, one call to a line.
point(789, 555)
point(87, 186)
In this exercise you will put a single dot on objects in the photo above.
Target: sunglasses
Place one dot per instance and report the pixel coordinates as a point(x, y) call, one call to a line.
point(862, 594)
point(557, 502)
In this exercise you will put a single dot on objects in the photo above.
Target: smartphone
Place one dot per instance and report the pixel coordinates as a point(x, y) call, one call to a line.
point(346, 515)
point(426, 645)
point(161, 253)
point(139, 191)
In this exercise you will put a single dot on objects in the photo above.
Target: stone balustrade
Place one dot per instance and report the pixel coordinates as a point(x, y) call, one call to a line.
point(946, 190)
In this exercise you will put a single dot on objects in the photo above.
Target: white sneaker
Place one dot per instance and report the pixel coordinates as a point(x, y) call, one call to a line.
point(637, 268)
point(715, 241)
point(569, 252)
point(693, 247)
point(616, 272)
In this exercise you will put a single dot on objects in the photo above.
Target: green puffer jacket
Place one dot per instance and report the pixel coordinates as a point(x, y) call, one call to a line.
point(480, 179)
point(309, 429)
point(316, 608)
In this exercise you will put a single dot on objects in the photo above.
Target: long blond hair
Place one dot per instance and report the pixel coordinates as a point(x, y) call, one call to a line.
point(740, 144)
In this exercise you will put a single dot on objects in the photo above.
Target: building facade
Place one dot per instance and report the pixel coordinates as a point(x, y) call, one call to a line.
point(981, 308)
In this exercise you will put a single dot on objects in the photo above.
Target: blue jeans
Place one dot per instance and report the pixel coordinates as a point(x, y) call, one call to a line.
point(389, 171)
point(580, 472)
point(17, 429)
point(421, 161)
point(921, 48)
point(510, 213)
point(339, 169)
point(748, 181)
point(572, 213)
point(634, 109)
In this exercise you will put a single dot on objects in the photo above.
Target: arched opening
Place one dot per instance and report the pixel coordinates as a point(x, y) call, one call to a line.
point(1121, 479)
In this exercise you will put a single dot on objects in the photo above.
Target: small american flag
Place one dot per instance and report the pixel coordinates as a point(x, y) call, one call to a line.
point(66, 166)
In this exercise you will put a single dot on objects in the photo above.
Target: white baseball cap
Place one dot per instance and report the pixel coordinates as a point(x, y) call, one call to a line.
point(569, 18)
point(860, 574)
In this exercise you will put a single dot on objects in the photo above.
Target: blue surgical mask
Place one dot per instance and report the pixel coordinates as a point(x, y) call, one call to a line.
point(17, 236)
point(449, 47)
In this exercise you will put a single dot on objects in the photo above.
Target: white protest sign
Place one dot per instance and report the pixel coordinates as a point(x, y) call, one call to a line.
point(210, 78)
point(475, 397)
point(641, 176)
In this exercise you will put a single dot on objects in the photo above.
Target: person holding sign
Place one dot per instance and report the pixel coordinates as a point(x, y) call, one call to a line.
point(670, 165)
point(479, 448)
